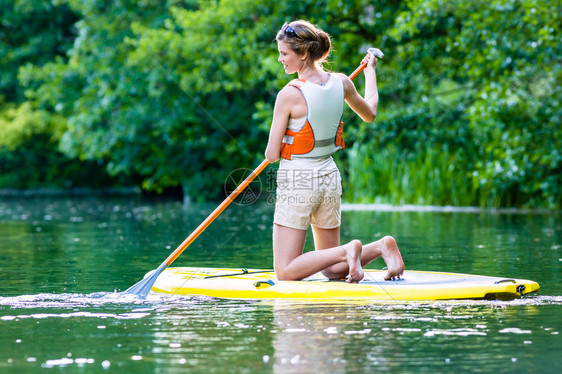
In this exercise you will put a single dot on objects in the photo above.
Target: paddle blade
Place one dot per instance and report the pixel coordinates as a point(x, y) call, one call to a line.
point(142, 288)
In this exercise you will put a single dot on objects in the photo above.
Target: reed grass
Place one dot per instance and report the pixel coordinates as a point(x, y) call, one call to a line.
point(432, 176)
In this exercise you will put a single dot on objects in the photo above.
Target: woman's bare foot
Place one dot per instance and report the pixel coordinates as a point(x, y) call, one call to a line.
point(353, 257)
point(391, 255)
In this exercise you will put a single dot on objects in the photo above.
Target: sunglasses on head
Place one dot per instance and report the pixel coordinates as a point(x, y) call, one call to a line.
point(289, 31)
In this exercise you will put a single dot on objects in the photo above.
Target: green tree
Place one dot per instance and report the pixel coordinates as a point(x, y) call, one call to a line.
point(480, 80)
point(179, 93)
point(34, 34)
point(31, 32)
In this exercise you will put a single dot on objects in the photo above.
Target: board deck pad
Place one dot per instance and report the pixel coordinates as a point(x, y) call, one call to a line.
point(413, 285)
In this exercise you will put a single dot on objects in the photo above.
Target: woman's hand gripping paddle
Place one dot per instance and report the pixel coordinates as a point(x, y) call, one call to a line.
point(142, 288)
point(376, 52)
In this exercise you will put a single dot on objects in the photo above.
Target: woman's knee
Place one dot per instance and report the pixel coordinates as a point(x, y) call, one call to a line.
point(388, 240)
point(284, 275)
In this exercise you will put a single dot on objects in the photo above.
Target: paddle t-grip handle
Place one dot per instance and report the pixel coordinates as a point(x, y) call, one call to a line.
point(376, 52)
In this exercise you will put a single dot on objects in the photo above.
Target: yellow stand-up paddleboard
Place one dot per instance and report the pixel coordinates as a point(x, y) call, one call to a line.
point(262, 284)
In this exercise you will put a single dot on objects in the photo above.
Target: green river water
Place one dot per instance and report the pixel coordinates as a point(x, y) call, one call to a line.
point(63, 259)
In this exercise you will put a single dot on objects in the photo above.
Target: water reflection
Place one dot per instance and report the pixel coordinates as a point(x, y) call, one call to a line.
point(186, 333)
point(347, 338)
point(321, 339)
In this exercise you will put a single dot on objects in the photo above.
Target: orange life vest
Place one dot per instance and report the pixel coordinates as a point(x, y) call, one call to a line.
point(322, 133)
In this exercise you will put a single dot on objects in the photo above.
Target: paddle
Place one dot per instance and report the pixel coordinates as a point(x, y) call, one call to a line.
point(142, 288)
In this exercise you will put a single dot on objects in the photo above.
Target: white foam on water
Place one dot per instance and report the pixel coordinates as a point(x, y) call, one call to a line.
point(65, 361)
point(108, 305)
point(132, 307)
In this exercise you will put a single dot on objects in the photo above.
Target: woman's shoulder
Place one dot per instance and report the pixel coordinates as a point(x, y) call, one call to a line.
point(344, 78)
point(288, 97)
point(346, 82)
point(296, 83)
point(291, 90)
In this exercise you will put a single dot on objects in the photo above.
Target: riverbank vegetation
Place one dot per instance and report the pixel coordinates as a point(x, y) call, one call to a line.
point(180, 93)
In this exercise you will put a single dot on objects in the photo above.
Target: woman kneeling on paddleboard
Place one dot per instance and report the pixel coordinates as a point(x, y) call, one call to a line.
point(306, 130)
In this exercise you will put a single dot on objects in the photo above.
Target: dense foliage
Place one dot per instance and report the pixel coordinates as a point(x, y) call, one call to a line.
point(478, 113)
point(33, 35)
point(180, 93)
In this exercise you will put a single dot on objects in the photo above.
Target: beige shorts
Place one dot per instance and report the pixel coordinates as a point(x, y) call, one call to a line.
point(302, 202)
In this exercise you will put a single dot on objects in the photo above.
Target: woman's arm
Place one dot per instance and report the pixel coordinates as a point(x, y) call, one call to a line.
point(366, 107)
point(286, 100)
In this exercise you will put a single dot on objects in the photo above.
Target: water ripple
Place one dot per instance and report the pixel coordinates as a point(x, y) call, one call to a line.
point(72, 300)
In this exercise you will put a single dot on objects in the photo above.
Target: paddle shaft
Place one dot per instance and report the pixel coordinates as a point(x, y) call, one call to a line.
point(359, 69)
point(230, 198)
